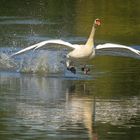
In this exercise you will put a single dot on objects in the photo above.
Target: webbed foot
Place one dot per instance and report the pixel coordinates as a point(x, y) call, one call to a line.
point(85, 69)
point(72, 69)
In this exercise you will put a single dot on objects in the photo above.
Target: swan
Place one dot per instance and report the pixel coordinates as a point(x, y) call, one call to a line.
point(76, 52)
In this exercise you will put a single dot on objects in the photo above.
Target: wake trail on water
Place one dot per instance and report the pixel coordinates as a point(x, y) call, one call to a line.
point(42, 62)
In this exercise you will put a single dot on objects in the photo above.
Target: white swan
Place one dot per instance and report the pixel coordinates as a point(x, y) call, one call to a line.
point(77, 52)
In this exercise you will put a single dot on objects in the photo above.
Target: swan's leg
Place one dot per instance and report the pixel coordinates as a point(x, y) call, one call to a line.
point(70, 66)
point(85, 69)
point(68, 63)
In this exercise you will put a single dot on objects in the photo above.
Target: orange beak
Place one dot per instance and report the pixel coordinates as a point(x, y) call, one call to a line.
point(98, 22)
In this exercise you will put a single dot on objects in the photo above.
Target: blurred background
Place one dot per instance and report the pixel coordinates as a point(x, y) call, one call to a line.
point(26, 22)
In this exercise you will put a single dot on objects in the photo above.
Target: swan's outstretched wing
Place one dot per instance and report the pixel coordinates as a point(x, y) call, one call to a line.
point(111, 46)
point(57, 44)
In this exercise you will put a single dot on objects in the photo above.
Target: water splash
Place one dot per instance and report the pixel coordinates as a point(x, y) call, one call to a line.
point(42, 62)
point(6, 62)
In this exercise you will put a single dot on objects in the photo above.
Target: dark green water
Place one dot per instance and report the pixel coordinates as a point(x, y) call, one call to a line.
point(103, 105)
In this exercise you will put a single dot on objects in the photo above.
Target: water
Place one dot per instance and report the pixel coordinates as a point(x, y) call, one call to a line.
point(36, 107)
point(40, 99)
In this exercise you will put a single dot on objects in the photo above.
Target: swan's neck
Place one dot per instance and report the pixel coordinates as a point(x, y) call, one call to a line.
point(90, 41)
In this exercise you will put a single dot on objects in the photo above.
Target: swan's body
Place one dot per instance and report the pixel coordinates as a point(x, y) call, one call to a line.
point(77, 52)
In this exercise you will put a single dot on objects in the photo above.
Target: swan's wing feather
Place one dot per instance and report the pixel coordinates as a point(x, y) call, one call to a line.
point(57, 44)
point(111, 46)
point(26, 49)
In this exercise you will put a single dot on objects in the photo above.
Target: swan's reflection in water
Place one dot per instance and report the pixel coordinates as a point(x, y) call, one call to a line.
point(50, 104)
point(56, 108)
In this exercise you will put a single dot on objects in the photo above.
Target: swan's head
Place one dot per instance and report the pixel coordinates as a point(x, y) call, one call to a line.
point(97, 22)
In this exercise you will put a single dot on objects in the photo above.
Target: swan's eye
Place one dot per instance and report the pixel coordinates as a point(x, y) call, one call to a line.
point(98, 22)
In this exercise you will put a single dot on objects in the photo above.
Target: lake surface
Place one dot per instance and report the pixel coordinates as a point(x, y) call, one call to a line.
point(40, 99)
